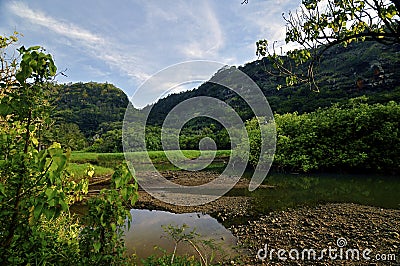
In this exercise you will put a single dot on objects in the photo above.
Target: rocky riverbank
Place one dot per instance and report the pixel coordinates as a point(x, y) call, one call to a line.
point(318, 228)
point(346, 226)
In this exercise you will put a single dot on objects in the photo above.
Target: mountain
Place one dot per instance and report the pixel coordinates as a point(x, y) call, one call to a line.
point(369, 69)
point(98, 109)
point(94, 107)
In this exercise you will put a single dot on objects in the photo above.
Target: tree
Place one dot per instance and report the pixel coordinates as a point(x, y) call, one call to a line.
point(111, 141)
point(355, 137)
point(69, 136)
point(36, 191)
point(32, 182)
point(318, 25)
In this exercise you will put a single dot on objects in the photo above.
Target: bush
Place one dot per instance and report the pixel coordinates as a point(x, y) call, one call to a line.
point(356, 137)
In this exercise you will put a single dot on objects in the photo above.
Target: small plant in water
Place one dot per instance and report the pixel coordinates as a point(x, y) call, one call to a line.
point(182, 234)
point(165, 259)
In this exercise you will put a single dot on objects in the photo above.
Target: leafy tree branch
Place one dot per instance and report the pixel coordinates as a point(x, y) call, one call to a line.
point(317, 26)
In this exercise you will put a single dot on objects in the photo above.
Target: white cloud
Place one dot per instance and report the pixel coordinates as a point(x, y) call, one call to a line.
point(96, 45)
point(190, 29)
point(206, 42)
point(124, 41)
point(22, 10)
point(266, 16)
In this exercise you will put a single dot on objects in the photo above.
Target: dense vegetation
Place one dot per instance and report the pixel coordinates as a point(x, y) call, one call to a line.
point(305, 131)
point(36, 190)
point(87, 115)
point(327, 131)
point(97, 110)
point(356, 137)
point(94, 107)
point(360, 69)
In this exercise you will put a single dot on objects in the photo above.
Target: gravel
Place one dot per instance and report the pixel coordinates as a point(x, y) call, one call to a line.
point(357, 226)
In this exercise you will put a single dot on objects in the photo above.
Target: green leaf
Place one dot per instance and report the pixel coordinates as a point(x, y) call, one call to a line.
point(124, 193)
point(37, 211)
point(2, 189)
point(35, 141)
point(117, 181)
point(55, 145)
point(134, 198)
point(5, 109)
point(32, 48)
point(49, 213)
point(42, 159)
point(113, 226)
point(90, 171)
point(61, 162)
point(53, 151)
point(96, 246)
point(50, 193)
point(64, 205)
point(52, 67)
point(26, 57)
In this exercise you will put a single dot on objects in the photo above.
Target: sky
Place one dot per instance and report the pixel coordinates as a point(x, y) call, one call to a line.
point(125, 42)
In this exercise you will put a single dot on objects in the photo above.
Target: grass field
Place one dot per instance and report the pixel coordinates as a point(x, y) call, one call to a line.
point(104, 163)
point(113, 159)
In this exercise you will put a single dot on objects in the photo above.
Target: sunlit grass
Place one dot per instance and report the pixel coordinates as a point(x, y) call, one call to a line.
point(79, 170)
point(82, 157)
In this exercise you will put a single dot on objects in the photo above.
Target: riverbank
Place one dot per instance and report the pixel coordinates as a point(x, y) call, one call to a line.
point(315, 227)
point(223, 209)
point(350, 226)
point(318, 227)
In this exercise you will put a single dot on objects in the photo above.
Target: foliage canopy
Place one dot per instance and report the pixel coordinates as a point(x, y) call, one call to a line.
point(356, 137)
point(318, 25)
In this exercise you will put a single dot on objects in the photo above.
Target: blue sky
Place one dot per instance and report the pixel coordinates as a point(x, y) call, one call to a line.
point(125, 42)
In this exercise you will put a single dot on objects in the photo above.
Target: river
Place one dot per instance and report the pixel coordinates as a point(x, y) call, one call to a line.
point(281, 191)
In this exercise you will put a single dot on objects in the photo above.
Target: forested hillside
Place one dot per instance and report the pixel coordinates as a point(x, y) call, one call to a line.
point(92, 106)
point(86, 113)
point(89, 115)
point(369, 69)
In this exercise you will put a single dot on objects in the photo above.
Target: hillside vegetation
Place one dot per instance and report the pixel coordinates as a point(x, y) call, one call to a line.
point(93, 112)
point(94, 107)
point(360, 69)
point(88, 114)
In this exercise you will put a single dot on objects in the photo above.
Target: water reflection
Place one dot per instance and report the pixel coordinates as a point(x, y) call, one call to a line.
point(291, 191)
point(146, 232)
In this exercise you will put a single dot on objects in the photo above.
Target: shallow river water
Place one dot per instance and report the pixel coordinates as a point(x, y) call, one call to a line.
point(282, 192)
point(146, 233)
